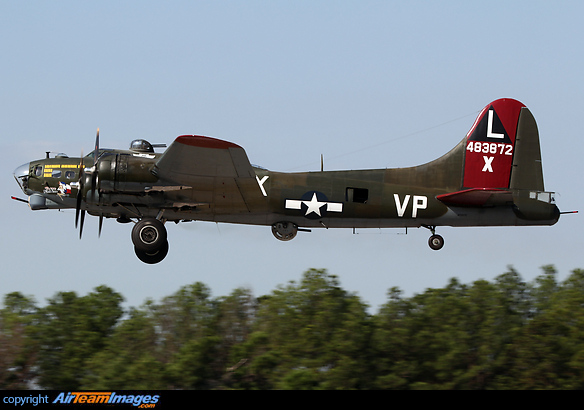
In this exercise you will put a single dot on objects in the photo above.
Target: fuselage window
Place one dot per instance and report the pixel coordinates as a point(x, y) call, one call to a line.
point(358, 195)
point(56, 173)
point(70, 174)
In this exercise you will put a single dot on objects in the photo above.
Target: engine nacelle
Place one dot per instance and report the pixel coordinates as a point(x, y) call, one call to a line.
point(125, 172)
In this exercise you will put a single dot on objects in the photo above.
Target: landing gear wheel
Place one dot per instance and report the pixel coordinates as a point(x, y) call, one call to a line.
point(436, 242)
point(149, 235)
point(152, 257)
point(284, 231)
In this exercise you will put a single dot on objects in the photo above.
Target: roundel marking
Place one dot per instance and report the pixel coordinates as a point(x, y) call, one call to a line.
point(314, 205)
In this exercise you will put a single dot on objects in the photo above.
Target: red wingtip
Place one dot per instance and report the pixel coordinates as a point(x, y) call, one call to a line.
point(205, 142)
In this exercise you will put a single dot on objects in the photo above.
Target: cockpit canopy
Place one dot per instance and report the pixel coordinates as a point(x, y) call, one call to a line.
point(141, 146)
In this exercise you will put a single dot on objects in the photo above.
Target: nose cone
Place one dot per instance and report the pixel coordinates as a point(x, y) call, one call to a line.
point(21, 176)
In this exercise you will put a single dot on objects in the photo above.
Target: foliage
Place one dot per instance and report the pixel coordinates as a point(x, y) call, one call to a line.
point(69, 331)
point(311, 334)
point(17, 347)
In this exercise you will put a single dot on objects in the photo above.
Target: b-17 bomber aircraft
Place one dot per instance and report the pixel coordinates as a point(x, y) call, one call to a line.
point(493, 177)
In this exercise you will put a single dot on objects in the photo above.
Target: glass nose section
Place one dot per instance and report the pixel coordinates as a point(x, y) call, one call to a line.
point(21, 176)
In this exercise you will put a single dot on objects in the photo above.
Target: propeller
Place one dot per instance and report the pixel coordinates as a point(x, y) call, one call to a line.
point(81, 187)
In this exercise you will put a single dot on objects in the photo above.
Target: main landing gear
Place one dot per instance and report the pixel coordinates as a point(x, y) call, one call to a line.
point(436, 242)
point(150, 240)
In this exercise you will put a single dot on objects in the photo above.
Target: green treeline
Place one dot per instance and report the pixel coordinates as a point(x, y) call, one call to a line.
point(311, 334)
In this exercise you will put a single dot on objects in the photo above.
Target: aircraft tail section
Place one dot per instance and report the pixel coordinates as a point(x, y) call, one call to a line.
point(502, 164)
point(502, 149)
point(500, 153)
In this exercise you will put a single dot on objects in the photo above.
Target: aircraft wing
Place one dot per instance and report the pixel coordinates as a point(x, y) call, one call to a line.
point(216, 172)
point(197, 156)
point(477, 197)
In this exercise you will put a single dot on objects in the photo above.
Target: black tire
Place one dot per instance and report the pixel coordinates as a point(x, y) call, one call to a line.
point(152, 257)
point(436, 242)
point(149, 235)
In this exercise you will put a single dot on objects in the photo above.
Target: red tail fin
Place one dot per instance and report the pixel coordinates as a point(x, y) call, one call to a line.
point(490, 145)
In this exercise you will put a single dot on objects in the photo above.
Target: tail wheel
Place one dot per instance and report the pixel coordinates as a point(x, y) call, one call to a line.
point(436, 242)
point(149, 235)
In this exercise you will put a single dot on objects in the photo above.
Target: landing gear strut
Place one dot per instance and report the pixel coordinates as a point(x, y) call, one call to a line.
point(150, 240)
point(436, 242)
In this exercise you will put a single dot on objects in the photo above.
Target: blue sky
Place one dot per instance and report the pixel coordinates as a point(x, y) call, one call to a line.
point(368, 84)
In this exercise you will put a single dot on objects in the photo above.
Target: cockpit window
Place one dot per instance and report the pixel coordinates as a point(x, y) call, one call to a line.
point(102, 152)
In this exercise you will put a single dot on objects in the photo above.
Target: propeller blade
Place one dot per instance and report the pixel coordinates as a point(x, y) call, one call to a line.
point(81, 166)
point(77, 208)
point(100, 225)
point(96, 152)
point(79, 190)
point(82, 221)
point(94, 172)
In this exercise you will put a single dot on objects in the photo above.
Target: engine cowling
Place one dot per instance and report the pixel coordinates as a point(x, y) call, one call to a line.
point(125, 172)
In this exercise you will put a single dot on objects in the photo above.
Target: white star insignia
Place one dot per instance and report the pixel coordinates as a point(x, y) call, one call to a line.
point(313, 205)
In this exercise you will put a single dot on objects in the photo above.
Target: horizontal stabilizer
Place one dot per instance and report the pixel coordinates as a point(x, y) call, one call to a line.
point(477, 197)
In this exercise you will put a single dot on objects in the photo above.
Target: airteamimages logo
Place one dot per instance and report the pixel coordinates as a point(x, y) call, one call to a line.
point(77, 399)
point(143, 401)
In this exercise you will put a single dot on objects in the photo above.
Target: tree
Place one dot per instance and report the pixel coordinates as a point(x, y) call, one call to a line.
point(130, 359)
point(311, 334)
point(70, 330)
point(451, 338)
point(185, 315)
point(17, 349)
point(313, 331)
point(549, 350)
point(203, 360)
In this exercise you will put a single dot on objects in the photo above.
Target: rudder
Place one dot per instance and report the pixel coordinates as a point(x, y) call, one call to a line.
point(527, 172)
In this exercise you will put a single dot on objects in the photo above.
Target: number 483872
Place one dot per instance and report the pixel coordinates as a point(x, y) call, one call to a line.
point(490, 148)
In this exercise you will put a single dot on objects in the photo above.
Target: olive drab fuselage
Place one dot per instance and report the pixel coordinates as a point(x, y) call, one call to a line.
point(493, 177)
